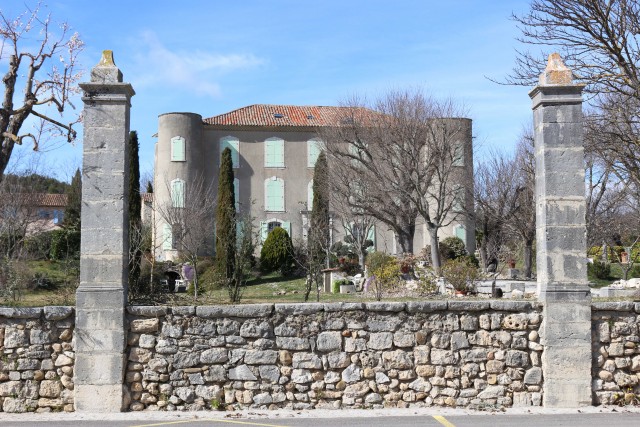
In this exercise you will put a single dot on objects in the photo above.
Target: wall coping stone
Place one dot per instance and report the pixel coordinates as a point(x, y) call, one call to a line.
point(468, 305)
point(615, 306)
point(343, 306)
point(184, 310)
point(511, 305)
point(242, 310)
point(299, 308)
point(148, 310)
point(385, 306)
point(426, 306)
point(58, 312)
point(21, 312)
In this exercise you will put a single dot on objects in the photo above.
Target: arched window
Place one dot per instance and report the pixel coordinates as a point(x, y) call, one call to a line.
point(267, 227)
point(177, 149)
point(233, 144)
point(274, 153)
point(274, 194)
point(177, 193)
point(314, 146)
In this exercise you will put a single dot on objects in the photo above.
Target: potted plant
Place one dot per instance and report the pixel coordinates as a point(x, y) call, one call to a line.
point(461, 274)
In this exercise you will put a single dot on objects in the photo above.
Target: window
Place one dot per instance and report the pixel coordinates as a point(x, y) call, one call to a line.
point(314, 146)
point(167, 238)
point(233, 144)
point(458, 199)
point(310, 195)
point(58, 216)
point(356, 231)
point(267, 227)
point(458, 155)
point(460, 232)
point(177, 149)
point(177, 193)
point(274, 153)
point(274, 194)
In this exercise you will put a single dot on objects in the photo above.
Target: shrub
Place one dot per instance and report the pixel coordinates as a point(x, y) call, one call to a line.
point(39, 245)
point(385, 271)
point(210, 280)
point(599, 270)
point(277, 252)
point(461, 274)
point(335, 286)
point(452, 248)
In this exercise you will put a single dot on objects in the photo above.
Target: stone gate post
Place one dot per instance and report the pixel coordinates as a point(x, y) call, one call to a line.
point(561, 237)
point(102, 294)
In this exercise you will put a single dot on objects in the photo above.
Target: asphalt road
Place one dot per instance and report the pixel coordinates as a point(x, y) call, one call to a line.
point(292, 420)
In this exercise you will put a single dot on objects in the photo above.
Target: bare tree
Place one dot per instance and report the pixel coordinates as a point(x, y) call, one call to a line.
point(496, 202)
point(396, 160)
point(189, 214)
point(41, 58)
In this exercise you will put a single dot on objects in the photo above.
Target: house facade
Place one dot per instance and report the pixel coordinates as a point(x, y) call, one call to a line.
point(274, 149)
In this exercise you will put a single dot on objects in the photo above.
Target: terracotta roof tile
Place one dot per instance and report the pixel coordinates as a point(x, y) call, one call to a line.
point(280, 115)
point(146, 197)
point(47, 199)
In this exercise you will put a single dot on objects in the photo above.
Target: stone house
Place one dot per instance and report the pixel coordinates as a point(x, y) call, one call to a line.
point(274, 149)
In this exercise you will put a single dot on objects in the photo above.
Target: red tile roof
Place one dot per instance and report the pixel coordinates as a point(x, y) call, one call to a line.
point(51, 200)
point(280, 115)
point(146, 197)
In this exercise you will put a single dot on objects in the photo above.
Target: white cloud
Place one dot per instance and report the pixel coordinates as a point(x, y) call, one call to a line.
point(194, 71)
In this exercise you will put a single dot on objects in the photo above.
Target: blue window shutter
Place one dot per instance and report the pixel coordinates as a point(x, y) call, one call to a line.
point(460, 232)
point(274, 195)
point(313, 151)
point(274, 153)
point(287, 226)
point(372, 236)
point(264, 230)
point(177, 193)
point(458, 155)
point(234, 145)
point(166, 237)
point(177, 149)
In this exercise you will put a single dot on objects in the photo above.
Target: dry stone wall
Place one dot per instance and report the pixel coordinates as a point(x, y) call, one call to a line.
point(343, 355)
point(36, 359)
point(616, 352)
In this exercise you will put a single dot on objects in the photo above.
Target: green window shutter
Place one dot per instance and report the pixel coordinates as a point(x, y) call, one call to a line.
point(313, 151)
point(458, 199)
point(460, 232)
point(310, 195)
point(287, 226)
point(274, 192)
point(166, 237)
point(177, 193)
point(371, 235)
point(274, 153)
point(177, 149)
point(236, 192)
point(264, 230)
point(458, 155)
point(234, 145)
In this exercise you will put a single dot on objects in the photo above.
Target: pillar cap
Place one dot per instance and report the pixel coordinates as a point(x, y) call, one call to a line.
point(106, 70)
point(556, 73)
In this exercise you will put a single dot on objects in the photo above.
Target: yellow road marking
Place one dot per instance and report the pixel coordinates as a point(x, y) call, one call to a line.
point(442, 420)
point(209, 419)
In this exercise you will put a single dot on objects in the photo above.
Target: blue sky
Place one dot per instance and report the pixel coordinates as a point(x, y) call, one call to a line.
point(210, 57)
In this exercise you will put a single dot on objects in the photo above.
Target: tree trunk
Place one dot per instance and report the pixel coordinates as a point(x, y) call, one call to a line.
point(528, 257)
point(435, 251)
point(361, 255)
point(405, 241)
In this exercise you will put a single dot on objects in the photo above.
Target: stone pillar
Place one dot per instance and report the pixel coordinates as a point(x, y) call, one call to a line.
point(561, 237)
point(104, 254)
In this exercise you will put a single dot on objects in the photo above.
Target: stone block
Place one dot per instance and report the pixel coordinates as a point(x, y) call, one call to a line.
point(57, 312)
point(343, 306)
point(468, 305)
point(329, 341)
point(394, 307)
point(426, 306)
point(100, 340)
point(21, 312)
point(299, 308)
point(241, 311)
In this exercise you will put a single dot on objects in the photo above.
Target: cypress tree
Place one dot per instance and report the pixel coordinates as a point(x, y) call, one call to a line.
point(74, 202)
point(318, 240)
point(226, 219)
point(149, 187)
point(135, 221)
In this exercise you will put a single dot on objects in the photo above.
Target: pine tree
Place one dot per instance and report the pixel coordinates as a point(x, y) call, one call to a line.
point(135, 221)
point(74, 202)
point(226, 219)
point(318, 243)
